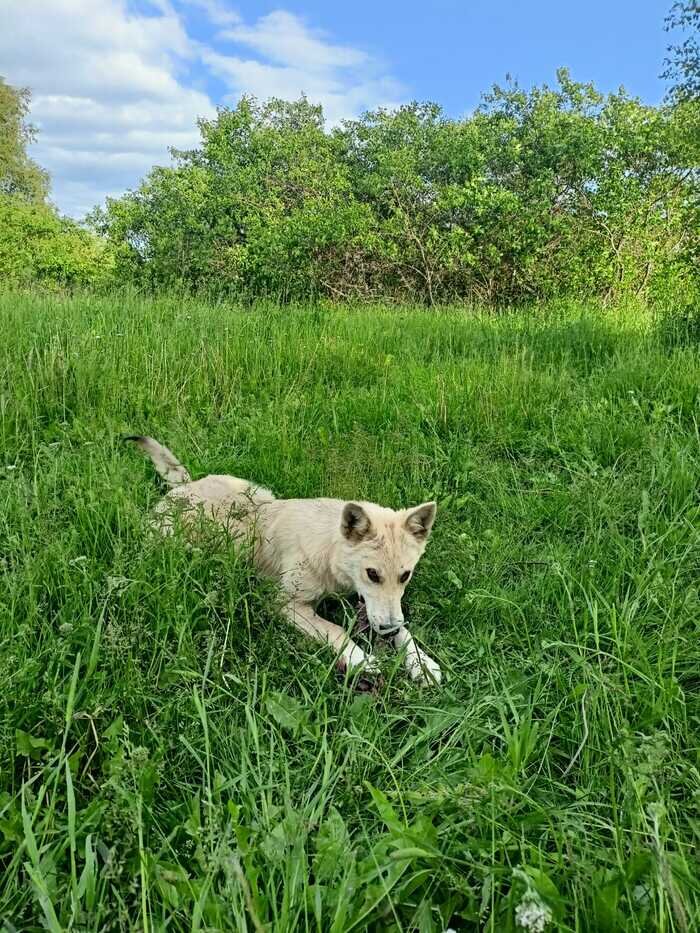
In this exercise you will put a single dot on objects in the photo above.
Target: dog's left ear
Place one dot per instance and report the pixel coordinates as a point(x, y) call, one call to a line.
point(419, 521)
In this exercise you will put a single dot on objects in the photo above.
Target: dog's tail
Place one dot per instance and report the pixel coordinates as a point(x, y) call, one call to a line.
point(166, 463)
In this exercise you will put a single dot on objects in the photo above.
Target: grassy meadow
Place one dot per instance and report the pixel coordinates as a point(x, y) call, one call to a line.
point(175, 757)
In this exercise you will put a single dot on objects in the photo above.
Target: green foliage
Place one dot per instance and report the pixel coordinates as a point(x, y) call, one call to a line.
point(538, 194)
point(174, 756)
point(683, 64)
point(262, 208)
point(19, 175)
point(39, 247)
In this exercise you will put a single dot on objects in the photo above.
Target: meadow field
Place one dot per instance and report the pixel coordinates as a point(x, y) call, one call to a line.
point(173, 756)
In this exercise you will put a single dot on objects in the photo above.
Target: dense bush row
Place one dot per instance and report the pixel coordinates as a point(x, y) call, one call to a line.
point(536, 194)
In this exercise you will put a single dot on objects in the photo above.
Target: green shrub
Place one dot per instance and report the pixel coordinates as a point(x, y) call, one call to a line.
point(538, 194)
point(39, 247)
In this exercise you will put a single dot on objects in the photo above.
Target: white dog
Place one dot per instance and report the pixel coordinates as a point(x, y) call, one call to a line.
point(313, 548)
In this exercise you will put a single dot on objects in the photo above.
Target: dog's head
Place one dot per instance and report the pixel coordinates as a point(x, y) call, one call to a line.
point(383, 548)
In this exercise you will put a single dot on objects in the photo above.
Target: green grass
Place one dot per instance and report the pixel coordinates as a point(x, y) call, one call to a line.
point(172, 756)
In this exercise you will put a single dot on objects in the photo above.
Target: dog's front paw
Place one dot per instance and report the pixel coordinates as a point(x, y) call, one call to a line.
point(422, 668)
point(354, 659)
point(362, 667)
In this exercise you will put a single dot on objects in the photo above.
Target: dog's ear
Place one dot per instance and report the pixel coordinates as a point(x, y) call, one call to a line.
point(419, 521)
point(355, 523)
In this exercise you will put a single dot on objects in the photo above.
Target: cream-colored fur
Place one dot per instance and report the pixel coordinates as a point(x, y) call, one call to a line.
point(313, 548)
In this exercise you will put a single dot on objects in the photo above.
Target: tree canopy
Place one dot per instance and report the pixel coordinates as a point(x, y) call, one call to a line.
point(683, 63)
point(37, 246)
point(19, 175)
point(541, 192)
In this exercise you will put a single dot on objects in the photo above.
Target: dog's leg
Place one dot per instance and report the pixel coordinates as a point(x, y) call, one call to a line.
point(349, 654)
point(419, 665)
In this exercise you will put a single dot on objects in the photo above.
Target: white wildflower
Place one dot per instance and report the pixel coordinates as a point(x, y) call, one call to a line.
point(117, 584)
point(532, 914)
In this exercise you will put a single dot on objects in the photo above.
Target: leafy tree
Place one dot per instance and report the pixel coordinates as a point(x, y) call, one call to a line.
point(602, 189)
point(19, 175)
point(545, 192)
point(37, 246)
point(683, 64)
point(262, 207)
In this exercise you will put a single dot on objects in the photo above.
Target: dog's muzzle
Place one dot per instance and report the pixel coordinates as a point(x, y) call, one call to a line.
point(384, 631)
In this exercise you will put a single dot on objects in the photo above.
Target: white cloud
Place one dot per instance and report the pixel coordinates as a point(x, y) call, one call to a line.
point(340, 98)
point(297, 60)
point(283, 38)
point(114, 85)
point(217, 12)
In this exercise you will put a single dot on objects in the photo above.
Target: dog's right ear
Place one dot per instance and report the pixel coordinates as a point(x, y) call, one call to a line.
point(355, 523)
point(420, 520)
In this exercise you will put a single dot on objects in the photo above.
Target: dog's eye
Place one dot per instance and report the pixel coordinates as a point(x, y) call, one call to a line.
point(373, 575)
point(404, 576)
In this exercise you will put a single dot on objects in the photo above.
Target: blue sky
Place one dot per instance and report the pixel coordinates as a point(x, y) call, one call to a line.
point(451, 51)
point(115, 82)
